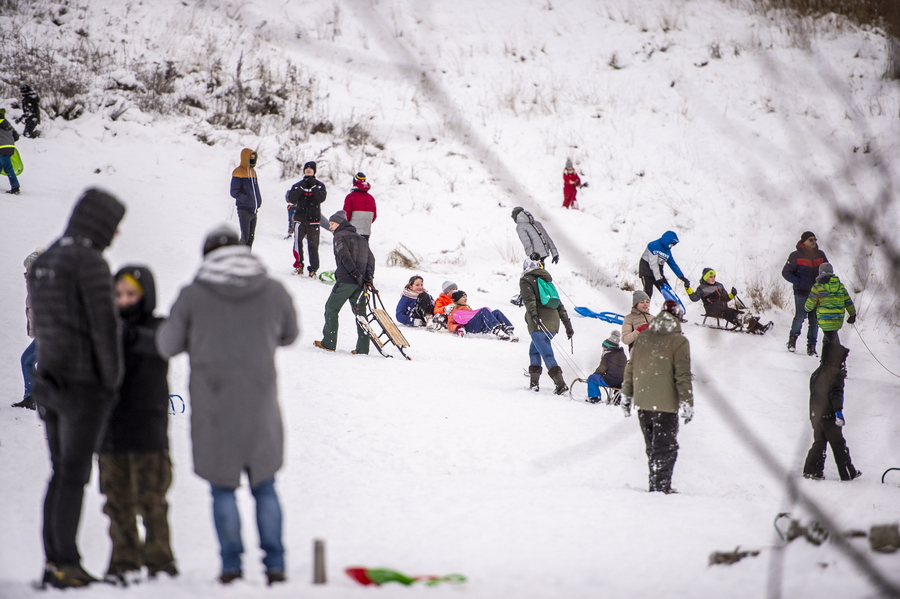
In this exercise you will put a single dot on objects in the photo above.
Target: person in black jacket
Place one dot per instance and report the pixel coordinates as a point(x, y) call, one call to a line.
point(715, 298)
point(79, 369)
point(245, 191)
point(307, 196)
point(826, 405)
point(355, 270)
point(611, 371)
point(135, 469)
point(31, 111)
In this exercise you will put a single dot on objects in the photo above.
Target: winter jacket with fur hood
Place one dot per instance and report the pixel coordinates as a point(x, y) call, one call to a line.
point(230, 320)
point(550, 317)
point(658, 376)
point(534, 236)
point(75, 319)
point(826, 385)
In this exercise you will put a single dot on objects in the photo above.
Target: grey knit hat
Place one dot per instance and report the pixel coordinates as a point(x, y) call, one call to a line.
point(569, 163)
point(637, 297)
point(613, 340)
point(448, 287)
point(32, 257)
point(339, 217)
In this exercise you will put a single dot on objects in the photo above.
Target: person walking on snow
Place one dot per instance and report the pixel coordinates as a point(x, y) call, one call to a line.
point(245, 191)
point(826, 405)
point(658, 383)
point(359, 206)
point(828, 298)
point(230, 320)
point(543, 325)
point(8, 138)
point(307, 196)
point(801, 270)
point(29, 356)
point(535, 240)
point(658, 254)
point(571, 185)
point(355, 271)
point(31, 111)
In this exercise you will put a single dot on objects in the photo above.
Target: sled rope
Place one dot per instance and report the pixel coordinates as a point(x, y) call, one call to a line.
point(872, 354)
point(562, 352)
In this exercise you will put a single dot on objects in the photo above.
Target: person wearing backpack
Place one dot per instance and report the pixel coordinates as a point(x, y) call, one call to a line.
point(543, 313)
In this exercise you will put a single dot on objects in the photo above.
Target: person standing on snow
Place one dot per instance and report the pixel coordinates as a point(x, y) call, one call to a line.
point(801, 269)
point(828, 298)
point(245, 191)
point(230, 320)
point(31, 111)
point(571, 185)
point(543, 325)
point(359, 206)
point(307, 196)
point(8, 138)
point(355, 271)
point(658, 383)
point(657, 254)
point(29, 356)
point(638, 320)
point(826, 405)
point(79, 369)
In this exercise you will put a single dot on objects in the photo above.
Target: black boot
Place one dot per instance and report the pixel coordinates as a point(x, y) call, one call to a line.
point(811, 349)
point(27, 403)
point(792, 344)
point(556, 374)
point(535, 373)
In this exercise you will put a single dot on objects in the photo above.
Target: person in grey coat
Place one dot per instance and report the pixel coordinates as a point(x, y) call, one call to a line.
point(230, 320)
point(534, 237)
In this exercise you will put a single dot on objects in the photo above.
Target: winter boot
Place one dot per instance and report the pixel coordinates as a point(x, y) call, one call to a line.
point(792, 343)
point(535, 373)
point(312, 274)
point(512, 333)
point(27, 403)
point(65, 577)
point(557, 376)
point(811, 349)
point(517, 300)
point(14, 191)
point(500, 333)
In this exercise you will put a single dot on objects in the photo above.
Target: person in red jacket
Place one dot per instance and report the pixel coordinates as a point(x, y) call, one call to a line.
point(571, 184)
point(360, 206)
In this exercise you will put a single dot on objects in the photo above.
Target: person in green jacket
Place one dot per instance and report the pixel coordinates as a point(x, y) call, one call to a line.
point(828, 299)
point(658, 383)
point(543, 324)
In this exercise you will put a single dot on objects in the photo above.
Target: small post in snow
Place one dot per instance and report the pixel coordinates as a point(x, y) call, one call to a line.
point(319, 561)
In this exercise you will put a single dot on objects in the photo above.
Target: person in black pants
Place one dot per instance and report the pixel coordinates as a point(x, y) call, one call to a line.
point(245, 191)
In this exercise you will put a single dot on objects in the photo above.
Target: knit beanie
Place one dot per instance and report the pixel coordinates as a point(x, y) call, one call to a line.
point(311, 165)
point(673, 308)
point(613, 339)
point(708, 272)
point(32, 257)
point(458, 295)
point(219, 237)
point(826, 269)
point(569, 163)
point(448, 286)
point(806, 235)
point(339, 217)
point(637, 297)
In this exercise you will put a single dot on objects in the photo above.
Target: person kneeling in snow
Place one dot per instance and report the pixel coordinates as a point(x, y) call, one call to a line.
point(611, 371)
point(416, 306)
point(462, 320)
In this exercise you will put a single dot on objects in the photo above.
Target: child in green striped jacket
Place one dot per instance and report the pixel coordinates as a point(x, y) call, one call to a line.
point(829, 298)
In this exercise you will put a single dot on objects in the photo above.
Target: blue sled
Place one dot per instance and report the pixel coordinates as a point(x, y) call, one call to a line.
point(607, 316)
point(670, 295)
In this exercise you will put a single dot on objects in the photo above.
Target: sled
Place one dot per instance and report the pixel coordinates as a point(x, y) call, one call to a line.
point(605, 316)
point(379, 326)
point(379, 576)
point(327, 277)
point(612, 395)
point(17, 165)
point(669, 294)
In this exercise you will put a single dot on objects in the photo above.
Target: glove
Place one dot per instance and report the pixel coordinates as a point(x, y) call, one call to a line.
point(371, 287)
point(686, 282)
point(687, 412)
point(534, 256)
point(536, 320)
point(642, 328)
point(839, 418)
point(734, 291)
point(626, 405)
point(570, 332)
point(555, 259)
point(662, 281)
point(851, 319)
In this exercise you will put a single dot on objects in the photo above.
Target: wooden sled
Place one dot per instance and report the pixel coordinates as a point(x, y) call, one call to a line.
point(379, 325)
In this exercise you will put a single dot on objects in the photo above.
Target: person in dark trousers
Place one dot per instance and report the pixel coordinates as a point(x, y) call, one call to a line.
point(658, 383)
point(829, 299)
point(715, 298)
point(245, 191)
point(657, 255)
point(8, 138)
point(307, 196)
point(31, 111)
point(543, 325)
point(230, 320)
point(359, 206)
point(135, 469)
point(29, 356)
point(79, 369)
point(611, 371)
point(801, 269)
point(826, 405)
point(355, 271)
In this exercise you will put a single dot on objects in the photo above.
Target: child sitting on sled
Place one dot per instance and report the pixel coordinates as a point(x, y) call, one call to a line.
point(461, 319)
point(416, 306)
point(611, 371)
point(715, 299)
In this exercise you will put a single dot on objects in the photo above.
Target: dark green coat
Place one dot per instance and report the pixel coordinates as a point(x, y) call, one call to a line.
point(530, 298)
point(658, 376)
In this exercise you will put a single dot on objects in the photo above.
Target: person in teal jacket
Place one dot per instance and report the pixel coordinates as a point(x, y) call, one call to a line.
point(828, 298)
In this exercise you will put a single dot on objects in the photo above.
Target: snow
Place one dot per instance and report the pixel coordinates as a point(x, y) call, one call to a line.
point(446, 463)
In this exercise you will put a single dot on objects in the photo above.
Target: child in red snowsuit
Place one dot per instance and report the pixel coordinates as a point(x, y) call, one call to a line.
point(571, 183)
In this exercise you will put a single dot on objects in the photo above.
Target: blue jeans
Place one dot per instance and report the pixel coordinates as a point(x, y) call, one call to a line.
point(29, 359)
point(541, 348)
point(594, 382)
point(268, 521)
point(799, 314)
point(485, 321)
point(6, 165)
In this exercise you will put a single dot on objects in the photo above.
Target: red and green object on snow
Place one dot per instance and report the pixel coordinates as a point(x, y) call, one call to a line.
point(379, 576)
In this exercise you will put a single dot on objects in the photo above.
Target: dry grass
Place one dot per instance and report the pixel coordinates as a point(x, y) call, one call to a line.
point(403, 256)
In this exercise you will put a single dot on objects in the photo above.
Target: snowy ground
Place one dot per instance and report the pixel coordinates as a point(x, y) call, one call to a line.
point(445, 463)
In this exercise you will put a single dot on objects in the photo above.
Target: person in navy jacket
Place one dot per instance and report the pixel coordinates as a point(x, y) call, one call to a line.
point(801, 269)
point(245, 191)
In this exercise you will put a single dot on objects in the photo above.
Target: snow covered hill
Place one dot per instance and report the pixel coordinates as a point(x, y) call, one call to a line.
point(698, 116)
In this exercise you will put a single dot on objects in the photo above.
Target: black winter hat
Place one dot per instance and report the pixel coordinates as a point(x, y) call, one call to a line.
point(339, 217)
point(806, 235)
point(458, 295)
point(220, 237)
point(311, 165)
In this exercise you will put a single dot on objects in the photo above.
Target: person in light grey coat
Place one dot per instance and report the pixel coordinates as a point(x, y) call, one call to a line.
point(534, 237)
point(230, 320)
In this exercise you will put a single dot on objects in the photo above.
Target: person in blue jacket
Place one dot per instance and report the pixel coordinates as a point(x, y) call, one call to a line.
point(657, 254)
point(416, 306)
point(245, 191)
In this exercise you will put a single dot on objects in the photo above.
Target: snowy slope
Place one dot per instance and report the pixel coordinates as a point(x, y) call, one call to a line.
point(445, 463)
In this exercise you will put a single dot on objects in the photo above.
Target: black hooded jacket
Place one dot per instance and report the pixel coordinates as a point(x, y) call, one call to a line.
point(140, 419)
point(826, 385)
point(308, 195)
point(75, 318)
point(355, 261)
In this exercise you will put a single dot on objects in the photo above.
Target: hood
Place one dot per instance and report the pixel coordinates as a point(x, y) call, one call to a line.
point(524, 217)
point(664, 324)
point(95, 218)
point(669, 238)
point(244, 171)
point(361, 186)
point(827, 278)
point(147, 304)
point(541, 274)
point(834, 354)
point(232, 271)
point(345, 226)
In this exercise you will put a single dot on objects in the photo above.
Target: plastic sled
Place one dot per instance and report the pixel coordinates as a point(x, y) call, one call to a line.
point(379, 325)
point(17, 165)
point(605, 316)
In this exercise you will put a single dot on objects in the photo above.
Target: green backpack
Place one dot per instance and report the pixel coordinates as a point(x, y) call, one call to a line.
point(547, 294)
